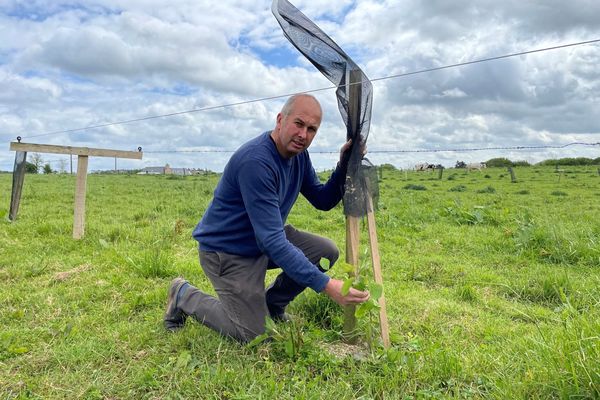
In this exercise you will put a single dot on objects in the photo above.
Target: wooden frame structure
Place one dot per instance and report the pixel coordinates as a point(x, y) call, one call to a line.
point(83, 154)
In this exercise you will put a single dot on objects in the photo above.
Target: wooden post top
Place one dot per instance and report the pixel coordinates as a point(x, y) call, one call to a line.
point(80, 151)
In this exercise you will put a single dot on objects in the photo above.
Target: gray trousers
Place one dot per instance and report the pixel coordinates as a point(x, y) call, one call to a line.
point(243, 303)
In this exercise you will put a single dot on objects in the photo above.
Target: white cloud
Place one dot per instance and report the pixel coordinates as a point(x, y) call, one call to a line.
point(23, 89)
point(79, 63)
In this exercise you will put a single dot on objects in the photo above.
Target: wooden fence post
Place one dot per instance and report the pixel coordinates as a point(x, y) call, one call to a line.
point(513, 178)
point(80, 186)
point(440, 173)
point(17, 184)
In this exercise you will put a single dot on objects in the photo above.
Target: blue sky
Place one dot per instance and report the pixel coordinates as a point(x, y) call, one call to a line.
point(72, 64)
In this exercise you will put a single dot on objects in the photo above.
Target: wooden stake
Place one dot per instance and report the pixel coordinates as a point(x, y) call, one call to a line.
point(383, 320)
point(352, 246)
point(79, 220)
point(17, 185)
point(352, 222)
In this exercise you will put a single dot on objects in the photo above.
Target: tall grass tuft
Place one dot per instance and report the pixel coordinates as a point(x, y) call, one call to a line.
point(412, 186)
point(467, 293)
point(458, 188)
point(153, 263)
point(487, 189)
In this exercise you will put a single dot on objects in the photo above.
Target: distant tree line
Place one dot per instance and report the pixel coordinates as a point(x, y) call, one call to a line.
point(572, 161)
point(31, 168)
point(505, 162)
point(36, 164)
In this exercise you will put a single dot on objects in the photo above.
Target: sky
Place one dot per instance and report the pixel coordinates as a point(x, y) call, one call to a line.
point(68, 65)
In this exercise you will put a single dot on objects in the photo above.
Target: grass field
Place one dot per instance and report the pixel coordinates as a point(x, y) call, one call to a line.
point(492, 289)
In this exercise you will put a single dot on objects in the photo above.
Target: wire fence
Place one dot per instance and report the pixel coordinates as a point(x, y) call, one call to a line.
point(400, 151)
point(262, 99)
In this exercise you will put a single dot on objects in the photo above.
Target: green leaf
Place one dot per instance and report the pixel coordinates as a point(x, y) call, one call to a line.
point(258, 340)
point(376, 290)
point(346, 268)
point(269, 324)
point(393, 355)
point(360, 284)
point(183, 360)
point(325, 263)
point(360, 311)
point(289, 348)
point(363, 309)
point(346, 286)
point(104, 243)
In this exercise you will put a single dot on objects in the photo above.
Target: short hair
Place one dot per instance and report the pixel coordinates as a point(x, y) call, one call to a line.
point(287, 107)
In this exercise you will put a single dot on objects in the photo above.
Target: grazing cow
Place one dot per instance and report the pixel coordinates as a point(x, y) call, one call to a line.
point(424, 167)
point(478, 166)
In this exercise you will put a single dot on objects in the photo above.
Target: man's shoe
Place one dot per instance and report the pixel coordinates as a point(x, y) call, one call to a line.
point(174, 318)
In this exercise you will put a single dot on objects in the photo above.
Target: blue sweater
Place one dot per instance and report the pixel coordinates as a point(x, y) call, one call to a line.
point(252, 201)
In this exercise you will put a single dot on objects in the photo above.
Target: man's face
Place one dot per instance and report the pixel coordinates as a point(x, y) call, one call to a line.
point(295, 132)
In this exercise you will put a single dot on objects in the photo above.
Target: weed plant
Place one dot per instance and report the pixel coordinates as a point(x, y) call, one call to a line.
point(492, 294)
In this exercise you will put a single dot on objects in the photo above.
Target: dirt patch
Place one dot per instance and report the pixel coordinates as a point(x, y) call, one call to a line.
point(342, 350)
point(66, 275)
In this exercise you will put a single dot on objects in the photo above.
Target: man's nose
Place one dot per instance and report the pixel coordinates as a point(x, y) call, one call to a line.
point(303, 131)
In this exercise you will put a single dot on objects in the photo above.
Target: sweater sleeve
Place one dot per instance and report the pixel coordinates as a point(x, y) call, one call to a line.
point(258, 186)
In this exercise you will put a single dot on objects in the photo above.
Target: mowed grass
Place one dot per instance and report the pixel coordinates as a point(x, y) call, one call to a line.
point(492, 290)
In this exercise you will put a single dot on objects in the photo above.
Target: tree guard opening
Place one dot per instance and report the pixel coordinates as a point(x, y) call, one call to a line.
point(354, 92)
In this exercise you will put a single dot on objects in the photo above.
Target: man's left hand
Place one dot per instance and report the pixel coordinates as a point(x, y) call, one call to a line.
point(346, 147)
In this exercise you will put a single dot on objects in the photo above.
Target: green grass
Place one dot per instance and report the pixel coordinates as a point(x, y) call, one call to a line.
point(492, 291)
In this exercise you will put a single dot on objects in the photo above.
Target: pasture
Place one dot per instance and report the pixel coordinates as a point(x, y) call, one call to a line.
point(492, 290)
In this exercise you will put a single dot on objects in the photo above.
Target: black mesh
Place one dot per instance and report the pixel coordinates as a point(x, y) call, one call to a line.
point(331, 60)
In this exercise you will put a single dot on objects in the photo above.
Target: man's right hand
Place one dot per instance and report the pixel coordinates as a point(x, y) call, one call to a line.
point(334, 290)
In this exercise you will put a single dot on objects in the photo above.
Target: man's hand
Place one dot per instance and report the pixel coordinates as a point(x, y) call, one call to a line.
point(334, 290)
point(346, 147)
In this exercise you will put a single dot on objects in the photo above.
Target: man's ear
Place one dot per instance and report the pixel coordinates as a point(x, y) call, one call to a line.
point(279, 119)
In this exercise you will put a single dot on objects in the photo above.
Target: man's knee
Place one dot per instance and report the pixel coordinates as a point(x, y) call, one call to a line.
point(251, 316)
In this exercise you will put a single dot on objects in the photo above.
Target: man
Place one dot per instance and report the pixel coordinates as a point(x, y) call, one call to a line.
point(243, 232)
